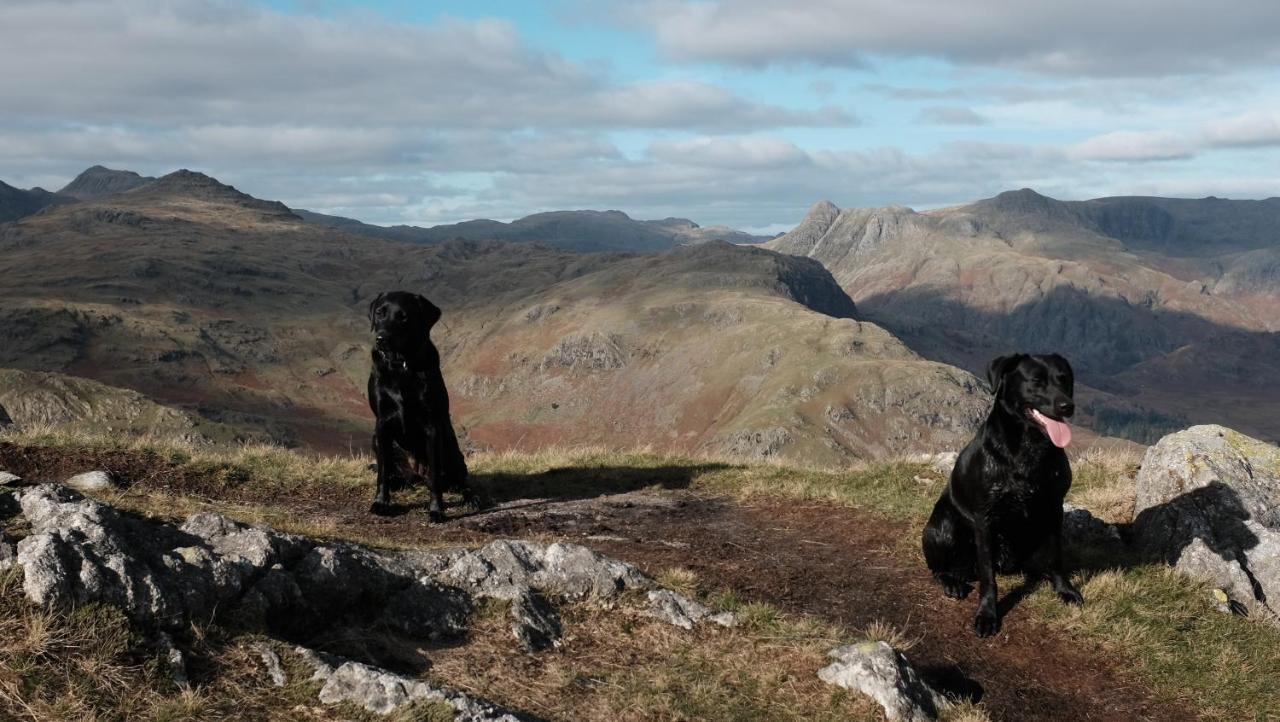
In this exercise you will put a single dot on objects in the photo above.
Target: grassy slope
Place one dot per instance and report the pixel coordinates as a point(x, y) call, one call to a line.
point(1163, 626)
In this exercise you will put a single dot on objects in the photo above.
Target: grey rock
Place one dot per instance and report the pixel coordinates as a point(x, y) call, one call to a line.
point(174, 660)
point(383, 692)
point(674, 608)
point(505, 569)
point(80, 551)
point(8, 555)
point(271, 661)
point(884, 674)
point(8, 479)
point(1208, 502)
point(536, 624)
point(91, 481)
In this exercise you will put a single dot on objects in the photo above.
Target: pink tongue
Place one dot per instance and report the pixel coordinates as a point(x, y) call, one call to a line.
point(1059, 432)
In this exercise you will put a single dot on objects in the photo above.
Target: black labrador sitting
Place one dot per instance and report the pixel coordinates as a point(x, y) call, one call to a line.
point(410, 403)
point(1002, 510)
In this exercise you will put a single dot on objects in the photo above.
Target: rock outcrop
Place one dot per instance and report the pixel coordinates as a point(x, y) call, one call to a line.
point(884, 674)
point(1208, 502)
point(383, 692)
point(165, 577)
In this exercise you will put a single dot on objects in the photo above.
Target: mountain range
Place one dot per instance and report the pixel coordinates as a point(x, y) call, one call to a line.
point(240, 313)
point(1169, 308)
point(839, 339)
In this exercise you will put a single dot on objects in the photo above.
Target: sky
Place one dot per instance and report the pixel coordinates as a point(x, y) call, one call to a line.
point(734, 112)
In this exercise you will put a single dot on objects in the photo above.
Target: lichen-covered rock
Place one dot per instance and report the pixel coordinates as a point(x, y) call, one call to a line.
point(9, 479)
point(884, 674)
point(1208, 502)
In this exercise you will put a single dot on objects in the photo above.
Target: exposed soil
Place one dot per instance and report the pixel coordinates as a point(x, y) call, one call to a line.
point(840, 564)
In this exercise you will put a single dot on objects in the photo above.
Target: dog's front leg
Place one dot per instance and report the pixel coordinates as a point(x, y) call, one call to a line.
point(987, 620)
point(1058, 576)
point(382, 450)
point(435, 480)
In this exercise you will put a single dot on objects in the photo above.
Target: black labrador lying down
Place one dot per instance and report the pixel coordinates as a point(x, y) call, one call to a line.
point(1002, 510)
point(410, 403)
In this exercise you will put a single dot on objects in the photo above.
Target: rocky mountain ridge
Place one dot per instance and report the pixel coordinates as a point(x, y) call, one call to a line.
point(1168, 307)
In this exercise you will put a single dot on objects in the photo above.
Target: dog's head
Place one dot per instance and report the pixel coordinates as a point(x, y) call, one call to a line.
point(401, 320)
point(1036, 389)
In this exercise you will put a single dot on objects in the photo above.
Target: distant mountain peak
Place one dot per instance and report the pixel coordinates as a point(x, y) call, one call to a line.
point(200, 186)
point(98, 181)
point(823, 207)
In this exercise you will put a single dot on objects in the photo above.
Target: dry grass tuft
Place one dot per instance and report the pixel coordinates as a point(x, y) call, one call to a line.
point(1103, 481)
point(881, 631)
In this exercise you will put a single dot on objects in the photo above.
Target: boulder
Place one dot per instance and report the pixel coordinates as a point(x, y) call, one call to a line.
point(91, 481)
point(1208, 502)
point(884, 674)
point(8, 479)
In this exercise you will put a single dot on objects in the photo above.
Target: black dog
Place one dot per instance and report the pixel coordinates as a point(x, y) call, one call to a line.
point(410, 403)
point(1002, 510)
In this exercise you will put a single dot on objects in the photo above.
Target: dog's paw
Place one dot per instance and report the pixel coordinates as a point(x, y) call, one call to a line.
point(381, 508)
point(955, 589)
point(477, 499)
point(986, 623)
point(1071, 595)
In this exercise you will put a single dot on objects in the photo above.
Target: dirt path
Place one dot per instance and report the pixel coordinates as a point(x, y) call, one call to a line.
point(839, 564)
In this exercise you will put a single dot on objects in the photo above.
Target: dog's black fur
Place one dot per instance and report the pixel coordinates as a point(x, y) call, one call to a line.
point(410, 403)
point(1002, 510)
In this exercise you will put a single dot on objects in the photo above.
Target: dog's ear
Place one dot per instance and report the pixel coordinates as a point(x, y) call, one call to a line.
point(430, 312)
point(998, 367)
point(373, 306)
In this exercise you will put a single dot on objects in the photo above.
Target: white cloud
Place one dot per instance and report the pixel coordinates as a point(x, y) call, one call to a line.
point(1258, 128)
point(760, 153)
point(1089, 37)
point(1125, 145)
point(209, 62)
point(950, 115)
